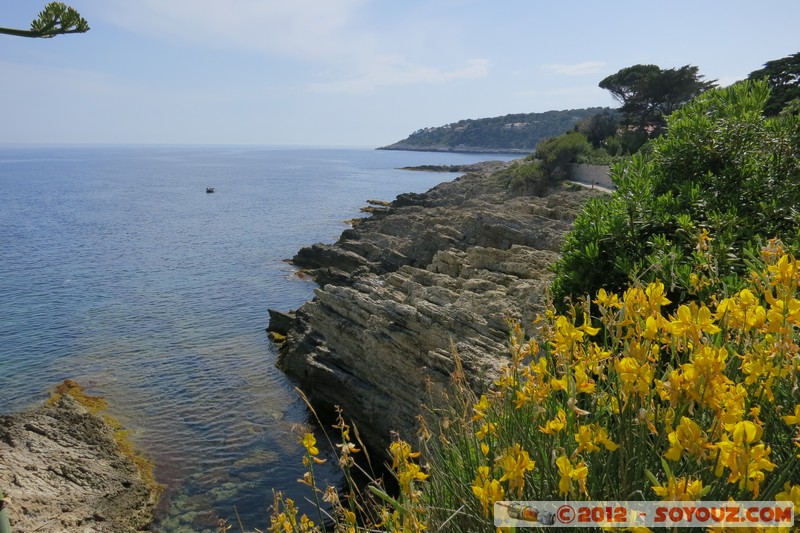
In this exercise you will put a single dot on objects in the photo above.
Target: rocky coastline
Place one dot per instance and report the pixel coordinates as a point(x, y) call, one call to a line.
point(399, 292)
point(62, 468)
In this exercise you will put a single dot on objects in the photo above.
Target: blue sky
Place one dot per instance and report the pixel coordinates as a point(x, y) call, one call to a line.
point(352, 72)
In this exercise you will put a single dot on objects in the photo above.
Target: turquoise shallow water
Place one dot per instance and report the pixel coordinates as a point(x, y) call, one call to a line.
point(119, 271)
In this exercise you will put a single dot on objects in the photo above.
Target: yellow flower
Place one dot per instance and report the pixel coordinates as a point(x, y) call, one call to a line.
point(566, 333)
point(601, 436)
point(690, 324)
point(651, 328)
point(655, 295)
point(285, 521)
point(671, 389)
point(570, 473)
point(596, 358)
point(785, 271)
point(585, 439)
point(515, 462)
point(745, 462)
point(794, 419)
point(405, 469)
point(790, 493)
point(490, 428)
point(486, 489)
point(408, 473)
point(590, 437)
point(558, 384)
point(743, 311)
point(689, 437)
point(605, 300)
point(710, 361)
point(772, 250)
point(532, 391)
point(557, 424)
point(401, 453)
point(306, 524)
point(680, 489)
point(635, 303)
point(706, 321)
point(732, 405)
point(763, 369)
point(540, 366)
point(780, 311)
point(583, 383)
point(309, 441)
point(587, 326)
point(758, 461)
point(635, 378)
point(746, 432)
point(480, 408)
point(702, 241)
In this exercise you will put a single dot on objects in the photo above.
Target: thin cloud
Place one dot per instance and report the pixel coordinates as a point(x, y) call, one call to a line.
point(395, 71)
point(306, 29)
point(330, 34)
point(578, 69)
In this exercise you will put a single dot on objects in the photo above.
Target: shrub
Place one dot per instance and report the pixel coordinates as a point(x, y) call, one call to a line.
point(556, 153)
point(526, 177)
point(722, 168)
point(697, 404)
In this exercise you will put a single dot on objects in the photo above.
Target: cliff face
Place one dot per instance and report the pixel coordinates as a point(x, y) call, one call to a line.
point(433, 271)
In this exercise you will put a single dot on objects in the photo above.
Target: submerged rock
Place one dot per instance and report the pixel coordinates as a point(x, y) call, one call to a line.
point(62, 469)
point(435, 272)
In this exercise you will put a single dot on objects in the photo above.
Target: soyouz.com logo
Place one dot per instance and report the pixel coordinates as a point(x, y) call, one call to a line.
point(648, 514)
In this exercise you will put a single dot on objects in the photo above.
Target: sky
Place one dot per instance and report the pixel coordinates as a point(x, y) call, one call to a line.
point(352, 72)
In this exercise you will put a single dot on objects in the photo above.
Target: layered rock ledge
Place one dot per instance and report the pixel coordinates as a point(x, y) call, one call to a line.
point(61, 469)
point(431, 273)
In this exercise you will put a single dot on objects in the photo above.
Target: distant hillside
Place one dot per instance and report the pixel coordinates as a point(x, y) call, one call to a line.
point(518, 133)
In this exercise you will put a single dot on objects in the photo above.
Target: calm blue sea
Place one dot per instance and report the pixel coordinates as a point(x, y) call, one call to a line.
point(119, 271)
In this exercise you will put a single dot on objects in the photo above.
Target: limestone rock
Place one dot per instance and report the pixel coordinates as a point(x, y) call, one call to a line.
point(399, 291)
point(61, 470)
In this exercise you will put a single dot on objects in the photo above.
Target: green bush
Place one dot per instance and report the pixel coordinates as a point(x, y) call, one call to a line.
point(526, 177)
point(722, 180)
point(556, 153)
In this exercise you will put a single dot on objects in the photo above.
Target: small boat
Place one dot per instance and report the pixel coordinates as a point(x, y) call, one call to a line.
point(210, 189)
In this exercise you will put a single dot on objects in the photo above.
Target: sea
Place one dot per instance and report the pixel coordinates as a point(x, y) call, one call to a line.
point(119, 271)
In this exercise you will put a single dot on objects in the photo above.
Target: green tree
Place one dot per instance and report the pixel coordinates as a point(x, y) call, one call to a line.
point(723, 170)
point(56, 18)
point(783, 77)
point(598, 127)
point(791, 108)
point(649, 94)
